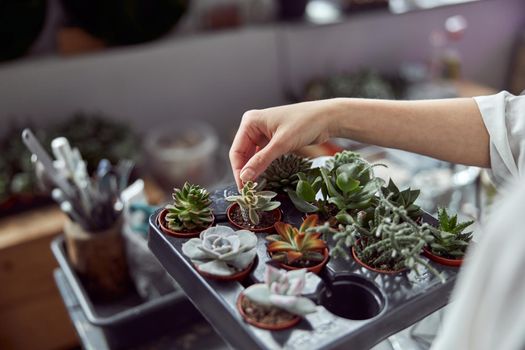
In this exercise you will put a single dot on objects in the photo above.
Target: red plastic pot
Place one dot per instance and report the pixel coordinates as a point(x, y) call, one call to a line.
point(276, 215)
point(162, 219)
point(314, 269)
point(441, 260)
point(270, 327)
point(360, 262)
point(239, 276)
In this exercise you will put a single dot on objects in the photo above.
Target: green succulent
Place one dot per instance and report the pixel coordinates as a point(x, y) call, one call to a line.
point(191, 209)
point(390, 241)
point(344, 157)
point(252, 201)
point(405, 198)
point(282, 172)
point(351, 186)
point(449, 240)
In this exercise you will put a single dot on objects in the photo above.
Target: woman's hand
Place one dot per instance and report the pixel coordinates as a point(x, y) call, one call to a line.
point(276, 131)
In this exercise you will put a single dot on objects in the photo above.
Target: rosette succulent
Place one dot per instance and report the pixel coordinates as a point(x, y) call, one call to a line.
point(191, 209)
point(252, 202)
point(282, 172)
point(405, 198)
point(221, 251)
point(282, 289)
point(296, 247)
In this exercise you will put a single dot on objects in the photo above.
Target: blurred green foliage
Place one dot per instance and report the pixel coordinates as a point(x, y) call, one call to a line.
point(95, 135)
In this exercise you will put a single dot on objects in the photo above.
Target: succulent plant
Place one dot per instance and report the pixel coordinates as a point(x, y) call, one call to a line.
point(221, 251)
point(450, 240)
point(252, 202)
point(344, 157)
point(282, 289)
point(305, 195)
point(391, 241)
point(282, 172)
point(190, 209)
point(351, 186)
point(405, 198)
point(296, 247)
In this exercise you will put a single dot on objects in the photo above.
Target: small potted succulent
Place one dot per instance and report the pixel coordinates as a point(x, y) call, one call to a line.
point(189, 214)
point(295, 248)
point(450, 242)
point(277, 303)
point(254, 209)
point(282, 172)
point(221, 253)
point(389, 243)
point(405, 198)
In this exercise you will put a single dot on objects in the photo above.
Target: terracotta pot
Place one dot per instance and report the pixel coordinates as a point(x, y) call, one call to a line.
point(315, 269)
point(239, 276)
point(441, 260)
point(270, 327)
point(360, 262)
point(166, 230)
point(276, 214)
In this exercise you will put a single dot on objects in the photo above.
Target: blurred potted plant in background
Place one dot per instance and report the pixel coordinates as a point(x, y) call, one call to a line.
point(291, 9)
point(122, 22)
point(21, 22)
point(96, 136)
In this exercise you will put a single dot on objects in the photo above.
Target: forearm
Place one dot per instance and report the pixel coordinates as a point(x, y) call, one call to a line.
point(450, 130)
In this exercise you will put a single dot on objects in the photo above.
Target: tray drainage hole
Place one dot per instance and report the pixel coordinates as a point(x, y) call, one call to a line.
point(353, 299)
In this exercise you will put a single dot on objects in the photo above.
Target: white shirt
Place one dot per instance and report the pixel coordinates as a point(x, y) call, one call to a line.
point(488, 302)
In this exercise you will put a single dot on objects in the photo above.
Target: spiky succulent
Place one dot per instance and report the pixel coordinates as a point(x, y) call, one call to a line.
point(296, 247)
point(282, 172)
point(191, 209)
point(450, 240)
point(391, 241)
point(252, 202)
point(405, 198)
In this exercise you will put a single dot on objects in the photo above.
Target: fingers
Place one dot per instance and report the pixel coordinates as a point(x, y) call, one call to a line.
point(262, 159)
point(244, 145)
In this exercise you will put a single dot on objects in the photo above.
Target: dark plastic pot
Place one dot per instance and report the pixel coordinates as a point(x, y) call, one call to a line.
point(314, 269)
point(441, 260)
point(166, 230)
point(276, 215)
point(270, 327)
point(360, 262)
point(239, 276)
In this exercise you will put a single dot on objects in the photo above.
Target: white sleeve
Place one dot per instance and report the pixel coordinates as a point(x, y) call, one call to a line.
point(504, 118)
point(487, 309)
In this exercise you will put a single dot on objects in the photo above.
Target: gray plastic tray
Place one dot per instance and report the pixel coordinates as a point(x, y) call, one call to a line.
point(130, 320)
point(401, 299)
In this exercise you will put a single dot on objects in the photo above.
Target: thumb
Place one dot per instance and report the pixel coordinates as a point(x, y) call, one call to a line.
point(260, 161)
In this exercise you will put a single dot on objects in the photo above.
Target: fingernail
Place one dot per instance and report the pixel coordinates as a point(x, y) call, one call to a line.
point(247, 175)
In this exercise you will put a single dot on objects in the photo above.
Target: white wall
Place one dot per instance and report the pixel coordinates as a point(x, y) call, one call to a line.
point(216, 77)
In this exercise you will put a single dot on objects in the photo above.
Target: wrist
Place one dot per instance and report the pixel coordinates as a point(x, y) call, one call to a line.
point(339, 116)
